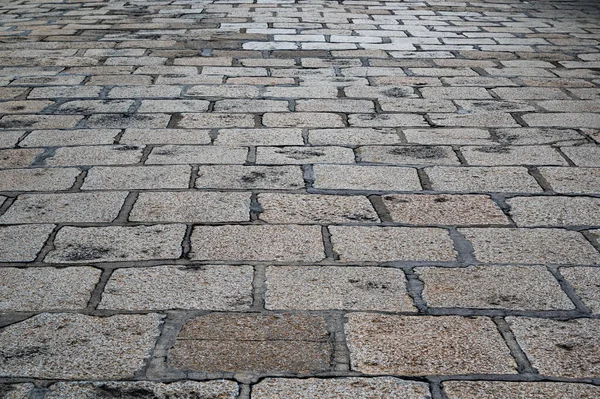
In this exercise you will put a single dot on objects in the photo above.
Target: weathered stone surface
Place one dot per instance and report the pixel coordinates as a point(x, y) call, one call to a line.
point(95, 155)
point(187, 154)
point(425, 345)
point(37, 179)
point(559, 348)
point(530, 390)
point(482, 179)
point(373, 388)
point(512, 155)
point(369, 178)
point(585, 281)
point(250, 177)
point(137, 177)
point(555, 211)
point(303, 155)
point(16, 391)
point(21, 243)
point(408, 155)
point(74, 346)
point(219, 287)
point(252, 342)
point(493, 287)
point(48, 288)
point(573, 180)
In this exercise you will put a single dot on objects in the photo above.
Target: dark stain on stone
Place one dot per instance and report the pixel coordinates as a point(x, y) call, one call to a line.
point(253, 177)
point(105, 391)
point(398, 92)
point(301, 154)
point(19, 353)
point(76, 110)
point(5, 390)
point(360, 216)
point(127, 148)
point(494, 150)
point(17, 108)
point(85, 253)
point(422, 152)
point(567, 346)
point(441, 199)
point(16, 123)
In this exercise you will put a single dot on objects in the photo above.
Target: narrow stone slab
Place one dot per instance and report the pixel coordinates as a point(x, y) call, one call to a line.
point(165, 136)
point(408, 155)
point(65, 208)
point(388, 244)
point(573, 180)
point(18, 158)
point(219, 287)
point(482, 179)
point(303, 155)
point(282, 243)
point(541, 246)
point(512, 155)
point(221, 389)
point(560, 348)
point(493, 287)
point(38, 179)
point(137, 177)
point(75, 346)
point(585, 281)
point(367, 178)
point(325, 287)
point(555, 211)
point(372, 388)
point(250, 177)
point(23, 242)
point(191, 207)
point(425, 345)
point(116, 244)
point(314, 208)
point(95, 155)
point(187, 154)
point(254, 137)
point(530, 390)
point(47, 288)
point(220, 342)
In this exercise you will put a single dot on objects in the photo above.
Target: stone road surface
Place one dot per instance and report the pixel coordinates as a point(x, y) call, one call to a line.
point(300, 199)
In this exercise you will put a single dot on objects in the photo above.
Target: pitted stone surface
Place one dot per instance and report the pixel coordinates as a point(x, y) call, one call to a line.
point(530, 390)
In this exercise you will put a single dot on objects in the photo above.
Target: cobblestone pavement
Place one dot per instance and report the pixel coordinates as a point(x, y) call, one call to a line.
point(299, 199)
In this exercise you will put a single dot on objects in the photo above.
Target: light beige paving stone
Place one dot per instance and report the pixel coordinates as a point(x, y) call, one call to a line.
point(493, 287)
point(95, 155)
point(555, 211)
point(7, 93)
point(359, 388)
point(64, 208)
point(137, 177)
point(530, 390)
point(222, 389)
point(416, 105)
point(250, 177)
point(337, 105)
point(303, 119)
point(585, 281)
point(165, 136)
point(21, 243)
point(483, 106)
point(477, 119)
point(568, 120)
point(524, 136)
point(191, 207)
point(294, 343)
point(18, 158)
point(116, 243)
point(59, 138)
point(256, 137)
point(353, 136)
point(443, 209)
point(512, 155)
point(482, 179)
point(530, 93)
point(37, 179)
point(65, 92)
point(253, 105)
point(46, 288)
point(448, 136)
point(16, 391)
point(123, 121)
point(326, 287)
point(212, 121)
point(146, 91)
point(187, 154)
point(23, 107)
point(75, 346)
point(584, 155)
point(282, 243)
point(314, 208)
point(358, 177)
point(455, 93)
point(408, 155)
point(228, 91)
point(303, 155)
point(425, 345)
point(388, 244)
point(94, 106)
point(386, 120)
point(218, 287)
point(573, 180)
point(559, 348)
point(538, 246)
point(171, 106)
point(9, 139)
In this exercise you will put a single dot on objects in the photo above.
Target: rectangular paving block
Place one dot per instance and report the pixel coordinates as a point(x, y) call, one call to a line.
point(389, 244)
point(233, 342)
point(584, 155)
point(116, 243)
point(40, 121)
point(555, 211)
point(251, 106)
point(46, 288)
point(425, 345)
point(328, 287)
point(533, 390)
point(64, 208)
point(303, 155)
point(314, 208)
point(257, 137)
point(386, 120)
point(219, 287)
point(537, 246)
point(281, 243)
point(212, 121)
point(353, 136)
point(187, 154)
point(529, 136)
point(191, 207)
point(173, 106)
point(95, 155)
point(58, 138)
point(368, 178)
point(585, 281)
point(443, 209)
point(572, 180)
point(567, 119)
point(556, 348)
point(512, 155)
point(250, 177)
point(124, 121)
point(482, 179)
point(18, 158)
point(303, 119)
point(408, 155)
point(493, 287)
point(38, 179)
point(137, 177)
point(165, 136)
point(66, 346)
point(448, 136)
point(22, 243)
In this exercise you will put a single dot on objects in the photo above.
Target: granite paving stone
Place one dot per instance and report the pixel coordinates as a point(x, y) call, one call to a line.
point(95, 155)
point(75, 137)
point(16, 391)
point(408, 155)
point(250, 177)
point(21, 243)
point(482, 179)
point(512, 155)
point(585, 281)
point(555, 211)
point(180, 154)
point(304, 155)
point(374, 178)
point(572, 180)
point(38, 179)
point(137, 177)
point(532, 390)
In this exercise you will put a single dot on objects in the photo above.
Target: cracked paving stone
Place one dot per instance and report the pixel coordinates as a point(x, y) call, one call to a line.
point(529, 390)
point(217, 389)
point(314, 208)
point(47, 288)
point(586, 282)
point(559, 348)
point(332, 388)
point(282, 243)
point(75, 346)
point(444, 209)
point(116, 244)
point(425, 345)
point(348, 288)
point(194, 207)
point(389, 244)
point(64, 208)
point(493, 287)
point(250, 177)
point(555, 211)
point(21, 243)
point(290, 343)
point(219, 287)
